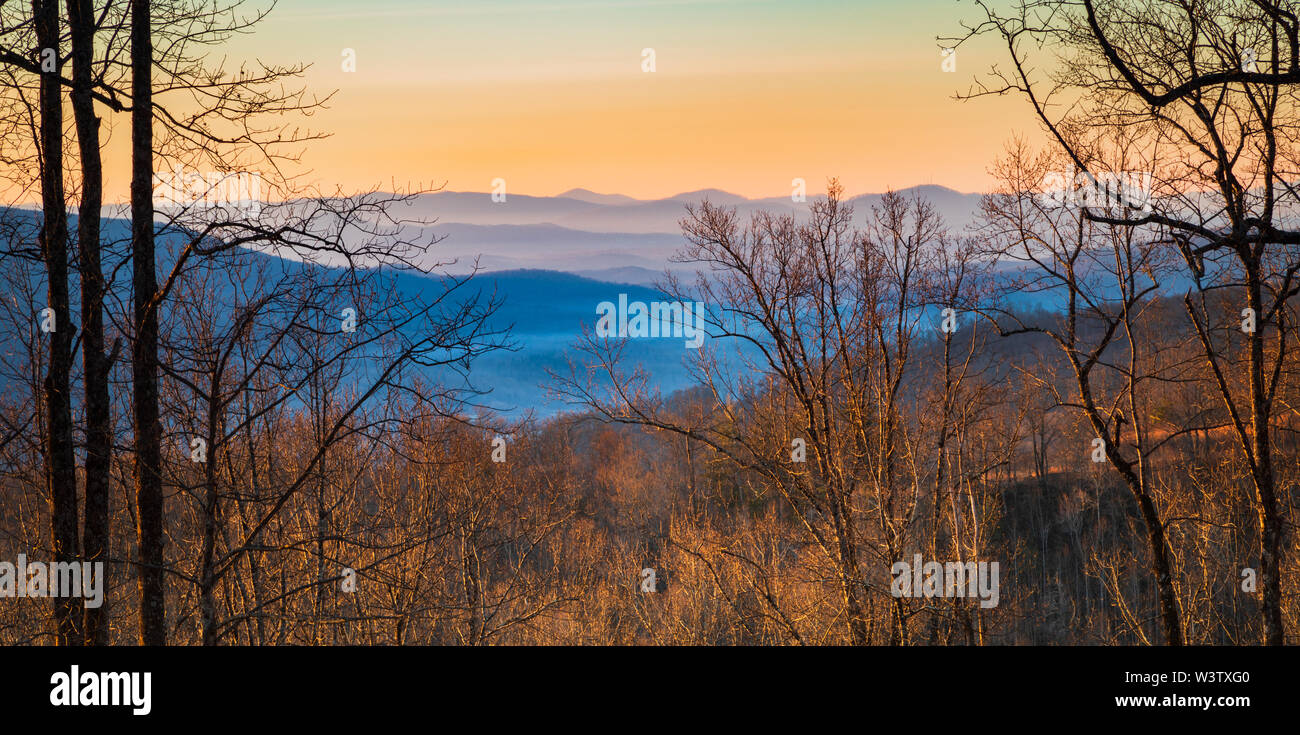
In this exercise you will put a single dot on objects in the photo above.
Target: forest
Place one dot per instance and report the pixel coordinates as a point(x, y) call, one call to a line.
point(264, 440)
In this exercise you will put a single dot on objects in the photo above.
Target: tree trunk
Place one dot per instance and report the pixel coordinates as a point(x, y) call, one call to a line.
point(1270, 519)
point(144, 352)
point(850, 586)
point(95, 365)
point(60, 462)
point(1170, 619)
point(1171, 624)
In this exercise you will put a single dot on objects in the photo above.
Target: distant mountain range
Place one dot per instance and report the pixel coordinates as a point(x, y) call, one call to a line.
point(551, 260)
point(605, 237)
point(602, 236)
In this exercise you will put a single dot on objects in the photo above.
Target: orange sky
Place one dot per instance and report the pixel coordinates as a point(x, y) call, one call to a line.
point(745, 96)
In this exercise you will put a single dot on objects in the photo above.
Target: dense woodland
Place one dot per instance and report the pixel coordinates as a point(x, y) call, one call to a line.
point(1112, 416)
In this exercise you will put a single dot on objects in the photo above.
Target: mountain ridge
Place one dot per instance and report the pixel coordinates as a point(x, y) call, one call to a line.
point(617, 213)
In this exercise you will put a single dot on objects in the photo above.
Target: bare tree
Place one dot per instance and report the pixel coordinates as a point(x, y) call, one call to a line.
point(829, 317)
point(1105, 279)
point(60, 463)
point(95, 363)
point(1206, 94)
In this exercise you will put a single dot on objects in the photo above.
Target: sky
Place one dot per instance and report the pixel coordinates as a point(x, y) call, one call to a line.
point(746, 95)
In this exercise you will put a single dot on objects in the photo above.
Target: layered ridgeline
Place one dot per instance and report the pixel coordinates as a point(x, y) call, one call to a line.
point(554, 283)
point(557, 265)
point(608, 237)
